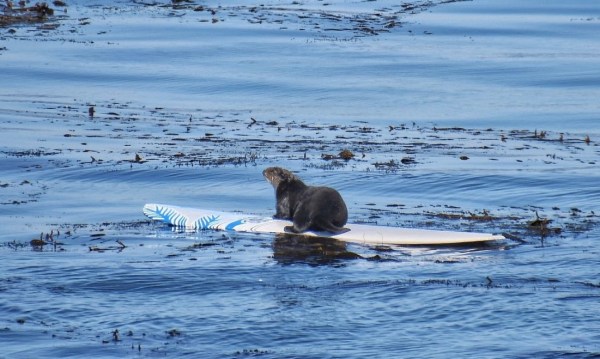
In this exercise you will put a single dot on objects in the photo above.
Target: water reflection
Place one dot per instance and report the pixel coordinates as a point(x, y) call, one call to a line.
point(292, 248)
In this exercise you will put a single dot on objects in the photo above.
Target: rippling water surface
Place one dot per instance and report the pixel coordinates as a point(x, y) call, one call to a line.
point(472, 116)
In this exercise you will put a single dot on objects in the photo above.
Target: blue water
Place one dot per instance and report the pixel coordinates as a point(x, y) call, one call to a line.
point(492, 101)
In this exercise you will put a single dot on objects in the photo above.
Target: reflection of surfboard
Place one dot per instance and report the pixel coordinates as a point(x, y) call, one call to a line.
point(199, 219)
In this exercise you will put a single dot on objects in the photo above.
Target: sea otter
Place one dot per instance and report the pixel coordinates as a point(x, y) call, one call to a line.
point(309, 207)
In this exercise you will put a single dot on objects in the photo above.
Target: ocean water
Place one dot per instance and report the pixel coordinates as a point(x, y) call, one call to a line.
point(469, 115)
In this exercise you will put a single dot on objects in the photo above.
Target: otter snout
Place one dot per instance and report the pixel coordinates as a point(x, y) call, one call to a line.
point(270, 176)
point(276, 175)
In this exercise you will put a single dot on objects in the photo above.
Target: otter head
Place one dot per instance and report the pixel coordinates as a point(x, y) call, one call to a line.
point(276, 175)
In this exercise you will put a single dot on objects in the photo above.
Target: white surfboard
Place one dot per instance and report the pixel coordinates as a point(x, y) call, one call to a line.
point(201, 219)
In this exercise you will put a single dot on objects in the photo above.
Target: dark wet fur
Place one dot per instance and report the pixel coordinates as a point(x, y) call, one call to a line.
point(309, 207)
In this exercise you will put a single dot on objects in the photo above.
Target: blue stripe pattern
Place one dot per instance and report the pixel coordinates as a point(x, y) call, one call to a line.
point(174, 217)
point(231, 226)
point(206, 222)
point(167, 215)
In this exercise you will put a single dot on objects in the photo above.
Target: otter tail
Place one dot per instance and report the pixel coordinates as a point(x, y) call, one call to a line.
point(330, 227)
point(319, 227)
point(338, 230)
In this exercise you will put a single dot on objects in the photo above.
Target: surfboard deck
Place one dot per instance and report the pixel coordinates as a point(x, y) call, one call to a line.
point(202, 219)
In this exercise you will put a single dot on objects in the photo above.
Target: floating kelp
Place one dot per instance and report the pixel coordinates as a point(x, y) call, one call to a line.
point(21, 14)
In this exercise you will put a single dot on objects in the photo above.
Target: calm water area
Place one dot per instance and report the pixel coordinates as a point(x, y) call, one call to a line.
point(475, 115)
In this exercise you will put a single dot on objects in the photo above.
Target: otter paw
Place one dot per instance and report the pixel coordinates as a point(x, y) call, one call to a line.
point(290, 229)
